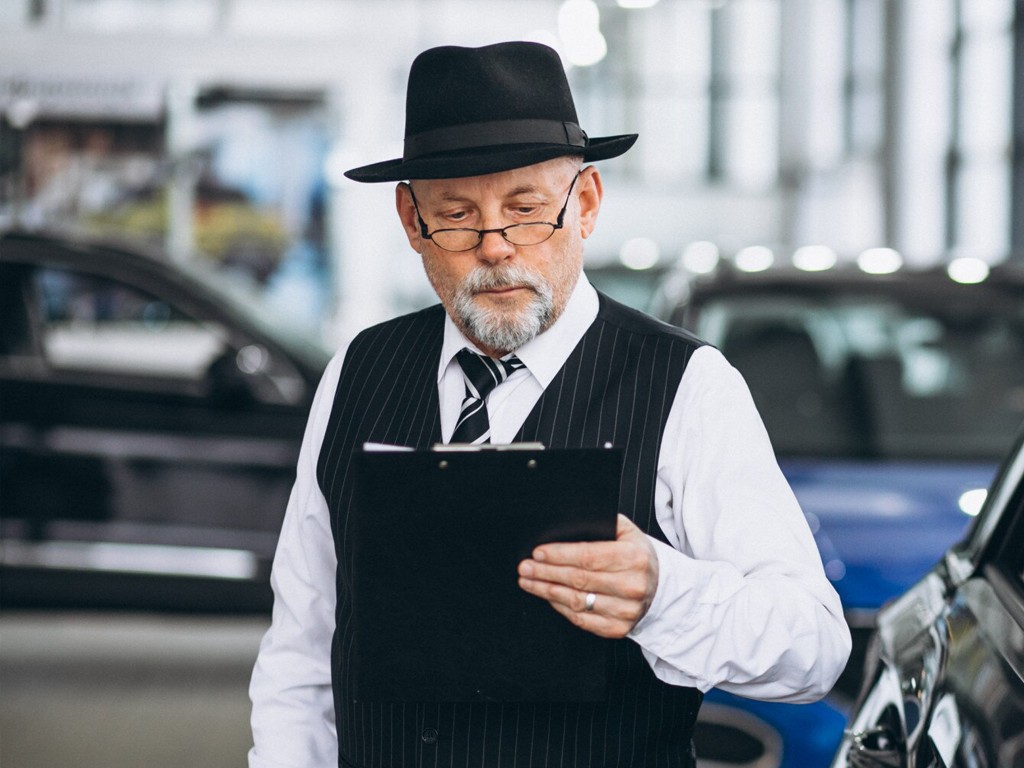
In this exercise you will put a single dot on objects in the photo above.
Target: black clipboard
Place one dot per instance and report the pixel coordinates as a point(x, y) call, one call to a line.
point(438, 535)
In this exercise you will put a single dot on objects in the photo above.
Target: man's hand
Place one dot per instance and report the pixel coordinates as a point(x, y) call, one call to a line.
point(622, 576)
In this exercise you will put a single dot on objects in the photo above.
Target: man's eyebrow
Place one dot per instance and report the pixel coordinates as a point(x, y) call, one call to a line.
point(523, 189)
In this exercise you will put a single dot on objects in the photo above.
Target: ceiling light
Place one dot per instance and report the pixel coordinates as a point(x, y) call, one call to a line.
point(700, 257)
point(754, 258)
point(972, 501)
point(968, 270)
point(579, 29)
point(814, 258)
point(880, 261)
point(639, 253)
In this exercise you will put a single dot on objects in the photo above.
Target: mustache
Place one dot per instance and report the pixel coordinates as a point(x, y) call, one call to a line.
point(496, 278)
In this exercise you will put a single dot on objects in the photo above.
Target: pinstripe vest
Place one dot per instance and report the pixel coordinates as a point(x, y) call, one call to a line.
point(617, 386)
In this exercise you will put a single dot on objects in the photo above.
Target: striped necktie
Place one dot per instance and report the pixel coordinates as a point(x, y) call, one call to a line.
point(482, 374)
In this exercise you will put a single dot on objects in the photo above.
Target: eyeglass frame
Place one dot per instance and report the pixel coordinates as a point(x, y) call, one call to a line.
point(559, 222)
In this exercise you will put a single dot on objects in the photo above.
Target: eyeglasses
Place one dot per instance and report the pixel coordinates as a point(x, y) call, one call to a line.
point(465, 239)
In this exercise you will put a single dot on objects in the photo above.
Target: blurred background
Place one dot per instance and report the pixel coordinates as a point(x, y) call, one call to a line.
point(219, 129)
point(180, 253)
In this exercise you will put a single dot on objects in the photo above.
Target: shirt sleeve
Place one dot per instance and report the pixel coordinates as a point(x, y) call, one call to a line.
point(292, 702)
point(742, 603)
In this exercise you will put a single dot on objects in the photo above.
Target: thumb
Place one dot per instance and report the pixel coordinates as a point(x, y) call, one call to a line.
point(624, 528)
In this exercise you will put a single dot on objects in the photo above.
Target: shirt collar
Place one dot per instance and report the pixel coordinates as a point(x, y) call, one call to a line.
point(545, 354)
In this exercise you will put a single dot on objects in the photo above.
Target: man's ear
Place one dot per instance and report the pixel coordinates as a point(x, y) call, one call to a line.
point(590, 193)
point(407, 214)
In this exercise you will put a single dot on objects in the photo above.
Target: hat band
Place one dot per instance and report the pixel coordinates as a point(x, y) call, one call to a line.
point(495, 133)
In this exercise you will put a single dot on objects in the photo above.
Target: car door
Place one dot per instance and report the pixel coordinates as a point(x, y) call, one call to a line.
point(979, 701)
point(947, 675)
point(142, 432)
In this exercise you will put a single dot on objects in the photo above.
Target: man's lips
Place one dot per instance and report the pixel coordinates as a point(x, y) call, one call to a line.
point(504, 289)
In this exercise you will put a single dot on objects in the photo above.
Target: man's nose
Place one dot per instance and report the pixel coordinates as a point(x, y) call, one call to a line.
point(493, 246)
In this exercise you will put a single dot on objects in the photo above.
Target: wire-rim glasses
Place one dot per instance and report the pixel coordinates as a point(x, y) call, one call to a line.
point(459, 239)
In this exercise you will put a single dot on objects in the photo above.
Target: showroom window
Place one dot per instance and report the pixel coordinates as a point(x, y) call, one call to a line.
point(980, 144)
point(699, 82)
point(864, 77)
point(744, 117)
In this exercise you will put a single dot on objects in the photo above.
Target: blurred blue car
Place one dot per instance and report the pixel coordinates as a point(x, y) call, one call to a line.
point(890, 400)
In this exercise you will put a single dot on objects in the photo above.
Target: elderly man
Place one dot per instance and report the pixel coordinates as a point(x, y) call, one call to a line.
point(713, 578)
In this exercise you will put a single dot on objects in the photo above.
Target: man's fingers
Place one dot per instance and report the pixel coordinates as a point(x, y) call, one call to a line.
point(609, 617)
point(624, 528)
point(626, 583)
point(622, 575)
point(596, 623)
point(576, 600)
point(593, 555)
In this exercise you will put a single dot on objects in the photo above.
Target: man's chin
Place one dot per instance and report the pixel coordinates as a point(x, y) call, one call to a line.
point(501, 330)
point(505, 307)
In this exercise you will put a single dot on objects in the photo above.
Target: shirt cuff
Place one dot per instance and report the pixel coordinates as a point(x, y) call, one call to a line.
point(679, 617)
point(255, 761)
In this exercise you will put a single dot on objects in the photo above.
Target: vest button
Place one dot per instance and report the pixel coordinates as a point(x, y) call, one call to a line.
point(429, 735)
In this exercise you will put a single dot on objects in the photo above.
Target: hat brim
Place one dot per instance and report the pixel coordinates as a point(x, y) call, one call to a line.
point(483, 160)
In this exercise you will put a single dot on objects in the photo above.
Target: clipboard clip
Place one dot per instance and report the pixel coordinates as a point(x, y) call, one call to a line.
point(468, 447)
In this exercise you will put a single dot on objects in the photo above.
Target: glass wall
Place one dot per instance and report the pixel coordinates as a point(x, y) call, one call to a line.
point(980, 143)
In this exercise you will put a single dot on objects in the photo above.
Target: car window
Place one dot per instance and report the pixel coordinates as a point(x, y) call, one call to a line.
point(1009, 538)
point(94, 323)
point(868, 375)
point(16, 337)
point(1005, 569)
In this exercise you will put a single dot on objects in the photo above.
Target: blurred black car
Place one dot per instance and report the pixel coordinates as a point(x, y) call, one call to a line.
point(149, 427)
point(946, 673)
point(890, 401)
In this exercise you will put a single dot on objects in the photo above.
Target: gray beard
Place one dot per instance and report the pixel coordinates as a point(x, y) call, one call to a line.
point(496, 329)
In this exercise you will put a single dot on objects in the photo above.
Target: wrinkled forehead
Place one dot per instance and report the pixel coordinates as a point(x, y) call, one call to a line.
point(547, 178)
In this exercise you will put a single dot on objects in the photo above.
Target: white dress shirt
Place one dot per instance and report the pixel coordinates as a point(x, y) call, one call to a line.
point(742, 602)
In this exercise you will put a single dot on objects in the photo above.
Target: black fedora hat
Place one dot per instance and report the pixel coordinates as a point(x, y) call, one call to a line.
point(473, 111)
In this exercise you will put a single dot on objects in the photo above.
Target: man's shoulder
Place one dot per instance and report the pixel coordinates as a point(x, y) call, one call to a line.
point(634, 321)
point(429, 320)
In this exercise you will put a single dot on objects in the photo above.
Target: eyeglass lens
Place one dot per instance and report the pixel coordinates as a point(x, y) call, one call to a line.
point(516, 234)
